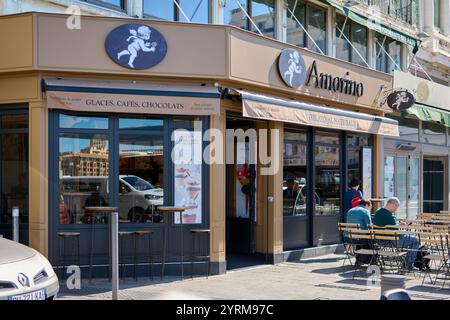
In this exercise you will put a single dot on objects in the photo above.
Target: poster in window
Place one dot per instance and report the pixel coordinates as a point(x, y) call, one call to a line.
point(367, 172)
point(187, 155)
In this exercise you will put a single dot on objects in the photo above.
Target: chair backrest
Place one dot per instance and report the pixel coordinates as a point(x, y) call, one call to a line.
point(438, 228)
point(358, 234)
point(433, 241)
point(425, 216)
point(342, 225)
point(385, 235)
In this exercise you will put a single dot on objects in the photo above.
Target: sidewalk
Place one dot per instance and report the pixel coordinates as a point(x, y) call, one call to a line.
point(316, 278)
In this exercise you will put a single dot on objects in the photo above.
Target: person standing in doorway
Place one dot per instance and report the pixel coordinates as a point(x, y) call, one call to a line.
point(352, 196)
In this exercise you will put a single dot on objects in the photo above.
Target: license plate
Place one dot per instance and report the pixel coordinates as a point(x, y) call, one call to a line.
point(35, 295)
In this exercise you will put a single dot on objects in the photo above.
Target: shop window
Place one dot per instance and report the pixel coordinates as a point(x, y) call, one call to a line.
point(294, 173)
point(113, 4)
point(262, 13)
point(327, 166)
point(313, 19)
point(433, 133)
point(357, 35)
point(196, 11)
point(388, 54)
point(141, 169)
point(437, 13)
point(78, 188)
point(409, 128)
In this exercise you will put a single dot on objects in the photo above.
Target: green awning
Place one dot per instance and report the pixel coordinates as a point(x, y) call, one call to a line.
point(425, 113)
point(378, 26)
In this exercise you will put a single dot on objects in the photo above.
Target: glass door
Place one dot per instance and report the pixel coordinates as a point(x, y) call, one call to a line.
point(433, 179)
point(14, 173)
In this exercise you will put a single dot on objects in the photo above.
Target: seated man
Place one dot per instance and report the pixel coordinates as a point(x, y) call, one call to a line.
point(385, 216)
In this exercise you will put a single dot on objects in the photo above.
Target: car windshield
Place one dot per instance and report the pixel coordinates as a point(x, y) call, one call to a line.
point(138, 183)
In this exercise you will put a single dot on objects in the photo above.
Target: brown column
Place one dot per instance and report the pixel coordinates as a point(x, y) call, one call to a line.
point(275, 208)
point(217, 203)
point(377, 170)
point(38, 177)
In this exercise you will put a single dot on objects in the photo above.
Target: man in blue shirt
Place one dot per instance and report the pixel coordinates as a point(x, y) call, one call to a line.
point(360, 214)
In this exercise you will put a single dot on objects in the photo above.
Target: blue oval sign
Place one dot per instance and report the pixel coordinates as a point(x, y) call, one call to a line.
point(136, 46)
point(291, 67)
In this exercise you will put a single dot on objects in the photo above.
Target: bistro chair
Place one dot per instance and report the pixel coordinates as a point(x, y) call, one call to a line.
point(347, 243)
point(436, 245)
point(202, 254)
point(75, 237)
point(355, 235)
point(391, 256)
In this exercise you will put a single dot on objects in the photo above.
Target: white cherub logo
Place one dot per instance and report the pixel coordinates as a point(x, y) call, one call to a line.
point(139, 41)
point(294, 68)
point(401, 97)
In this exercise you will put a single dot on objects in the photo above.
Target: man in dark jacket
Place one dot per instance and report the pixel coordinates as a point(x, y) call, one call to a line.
point(351, 193)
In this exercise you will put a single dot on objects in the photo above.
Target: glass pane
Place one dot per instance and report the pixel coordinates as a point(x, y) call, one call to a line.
point(359, 40)
point(355, 140)
point(294, 175)
point(342, 45)
point(154, 125)
point(409, 128)
point(164, 10)
point(327, 137)
point(327, 192)
point(381, 57)
point(295, 136)
point(196, 10)
point(433, 133)
point(389, 178)
point(413, 202)
point(77, 122)
point(83, 171)
point(14, 173)
point(295, 34)
point(117, 3)
point(317, 28)
point(263, 15)
point(353, 164)
point(394, 48)
point(400, 180)
point(141, 174)
point(14, 121)
point(433, 179)
point(234, 15)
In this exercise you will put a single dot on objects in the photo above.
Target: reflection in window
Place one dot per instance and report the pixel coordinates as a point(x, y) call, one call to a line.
point(14, 121)
point(77, 122)
point(313, 20)
point(355, 143)
point(433, 133)
point(109, 3)
point(294, 173)
point(83, 174)
point(409, 128)
point(141, 169)
point(191, 10)
point(384, 46)
point(357, 34)
point(262, 13)
point(327, 179)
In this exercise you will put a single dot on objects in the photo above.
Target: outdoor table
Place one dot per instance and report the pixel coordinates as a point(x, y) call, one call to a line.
point(377, 203)
point(442, 211)
point(169, 210)
point(113, 250)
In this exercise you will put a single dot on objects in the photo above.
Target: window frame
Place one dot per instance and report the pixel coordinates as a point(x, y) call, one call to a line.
point(351, 24)
point(177, 14)
point(122, 7)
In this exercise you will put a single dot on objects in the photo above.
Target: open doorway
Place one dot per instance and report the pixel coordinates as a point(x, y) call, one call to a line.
point(241, 197)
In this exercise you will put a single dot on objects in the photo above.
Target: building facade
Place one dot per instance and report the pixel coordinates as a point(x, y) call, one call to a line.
point(90, 127)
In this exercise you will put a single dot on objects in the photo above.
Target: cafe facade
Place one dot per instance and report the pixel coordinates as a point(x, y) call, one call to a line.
point(113, 114)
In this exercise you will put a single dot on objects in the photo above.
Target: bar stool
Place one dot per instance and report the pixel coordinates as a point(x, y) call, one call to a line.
point(201, 253)
point(138, 234)
point(68, 235)
point(170, 211)
point(122, 237)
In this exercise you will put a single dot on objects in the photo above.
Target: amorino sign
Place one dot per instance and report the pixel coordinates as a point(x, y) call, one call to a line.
point(291, 67)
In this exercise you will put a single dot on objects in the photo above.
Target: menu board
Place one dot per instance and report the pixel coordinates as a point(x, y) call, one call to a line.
point(187, 155)
point(367, 172)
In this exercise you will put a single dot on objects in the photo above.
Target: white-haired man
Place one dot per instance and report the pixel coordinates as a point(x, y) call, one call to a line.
point(385, 216)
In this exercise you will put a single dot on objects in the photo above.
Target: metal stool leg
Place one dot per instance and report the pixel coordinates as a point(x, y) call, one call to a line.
point(182, 252)
point(134, 256)
point(91, 258)
point(193, 255)
point(149, 251)
point(166, 223)
point(78, 252)
point(64, 257)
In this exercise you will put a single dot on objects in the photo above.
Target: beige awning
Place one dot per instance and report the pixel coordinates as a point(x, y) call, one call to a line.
point(131, 97)
point(259, 106)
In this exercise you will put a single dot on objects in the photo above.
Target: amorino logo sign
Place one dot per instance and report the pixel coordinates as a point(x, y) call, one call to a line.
point(294, 73)
point(136, 46)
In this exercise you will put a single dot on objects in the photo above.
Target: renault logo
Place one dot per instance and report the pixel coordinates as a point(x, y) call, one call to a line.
point(23, 279)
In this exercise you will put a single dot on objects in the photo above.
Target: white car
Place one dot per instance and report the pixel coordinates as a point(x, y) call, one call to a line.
point(138, 198)
point(25, 274)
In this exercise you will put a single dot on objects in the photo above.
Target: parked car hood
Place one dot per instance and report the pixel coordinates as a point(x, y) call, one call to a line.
point(11, 251)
